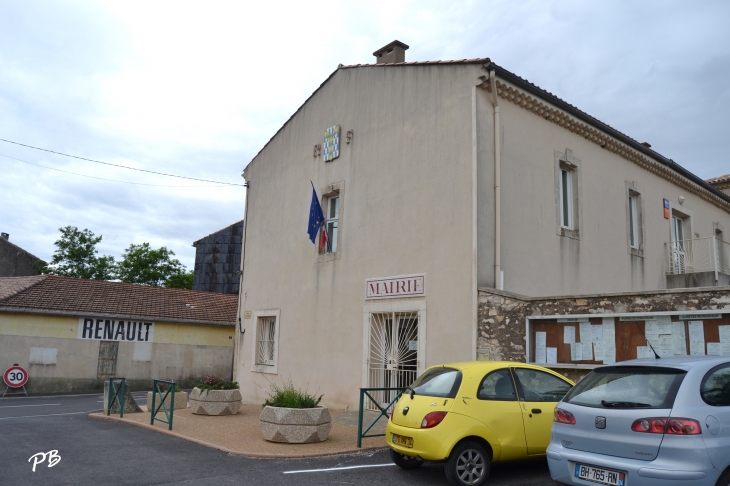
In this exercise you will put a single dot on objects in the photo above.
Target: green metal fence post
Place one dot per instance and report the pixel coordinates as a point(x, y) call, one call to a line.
point(383, 411)
point(113, 395)
point(359, 418)
point(155, 408)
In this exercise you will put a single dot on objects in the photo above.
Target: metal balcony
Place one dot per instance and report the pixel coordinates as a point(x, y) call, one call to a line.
point(700, 262)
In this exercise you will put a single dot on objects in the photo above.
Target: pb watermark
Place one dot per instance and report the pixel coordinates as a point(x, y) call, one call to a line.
point(52, 456)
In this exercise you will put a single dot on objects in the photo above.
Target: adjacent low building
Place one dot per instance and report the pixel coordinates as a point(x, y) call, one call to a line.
point(72, 334)
point(15, 261)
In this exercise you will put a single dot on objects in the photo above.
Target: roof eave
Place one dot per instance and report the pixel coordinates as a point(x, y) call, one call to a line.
point(554, 100)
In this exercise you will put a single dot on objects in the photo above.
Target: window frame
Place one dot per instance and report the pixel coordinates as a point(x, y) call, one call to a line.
point(332, 223)
point(271, 368)
point(512, 380)
point(335, 190)
point(521, 389)
point(723, 366)
point(568, 190)
point(634, 219)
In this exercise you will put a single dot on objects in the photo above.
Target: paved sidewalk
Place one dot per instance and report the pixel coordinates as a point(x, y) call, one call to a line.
point(240, 434)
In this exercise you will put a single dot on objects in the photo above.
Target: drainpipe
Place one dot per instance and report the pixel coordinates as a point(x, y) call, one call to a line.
point(241, 302)
point(497, 190)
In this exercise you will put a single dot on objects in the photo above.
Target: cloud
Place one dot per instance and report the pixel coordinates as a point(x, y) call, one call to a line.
point(197, 89)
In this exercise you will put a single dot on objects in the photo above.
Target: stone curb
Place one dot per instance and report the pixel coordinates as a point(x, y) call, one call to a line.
point(231, 451)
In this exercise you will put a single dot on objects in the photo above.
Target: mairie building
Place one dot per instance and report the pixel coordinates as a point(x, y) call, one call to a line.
point(467, 214)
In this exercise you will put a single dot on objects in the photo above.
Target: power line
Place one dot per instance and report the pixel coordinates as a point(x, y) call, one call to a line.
point(93, 177)
point(121, 166)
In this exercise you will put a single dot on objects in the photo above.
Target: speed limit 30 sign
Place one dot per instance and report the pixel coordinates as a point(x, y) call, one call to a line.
point(15, 377)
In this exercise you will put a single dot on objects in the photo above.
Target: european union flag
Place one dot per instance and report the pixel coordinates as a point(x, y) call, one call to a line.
point(316, 216)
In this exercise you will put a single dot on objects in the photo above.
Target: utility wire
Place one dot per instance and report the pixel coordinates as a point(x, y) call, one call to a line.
point(93, 177)
point(121, 166)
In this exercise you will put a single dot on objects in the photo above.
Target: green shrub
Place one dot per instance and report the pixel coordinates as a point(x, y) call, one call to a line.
point(211, 382)
point(289, 397)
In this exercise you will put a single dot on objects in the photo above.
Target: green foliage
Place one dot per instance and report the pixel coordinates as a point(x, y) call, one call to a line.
point(76, 256)
point(289, 397)
point(180, 281)
point(211, 382)
point(142, 264)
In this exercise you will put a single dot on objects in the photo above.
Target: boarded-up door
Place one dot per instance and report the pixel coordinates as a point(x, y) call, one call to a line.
point(107, 359)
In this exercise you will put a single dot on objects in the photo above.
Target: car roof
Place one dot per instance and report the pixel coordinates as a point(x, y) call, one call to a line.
point(487, 365)
point(682, 362)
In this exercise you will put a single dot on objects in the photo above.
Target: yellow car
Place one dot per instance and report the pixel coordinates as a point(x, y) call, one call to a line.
point(472, 414)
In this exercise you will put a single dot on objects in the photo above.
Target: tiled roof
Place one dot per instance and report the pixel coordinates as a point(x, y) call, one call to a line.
point(79, 296)
point(12, 285)
point(719, 179)
point(478, 60)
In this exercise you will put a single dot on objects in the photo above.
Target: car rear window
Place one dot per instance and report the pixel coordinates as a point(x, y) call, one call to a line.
point(628, 387)
point(438, 382)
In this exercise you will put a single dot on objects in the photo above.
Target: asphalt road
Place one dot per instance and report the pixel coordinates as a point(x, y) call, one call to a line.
point(96, 451)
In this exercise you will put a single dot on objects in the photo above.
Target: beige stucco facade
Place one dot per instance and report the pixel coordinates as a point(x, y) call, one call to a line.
point(49, 348)
point(416, 187)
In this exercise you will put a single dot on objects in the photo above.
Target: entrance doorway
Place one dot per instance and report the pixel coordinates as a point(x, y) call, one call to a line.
point(393, 353)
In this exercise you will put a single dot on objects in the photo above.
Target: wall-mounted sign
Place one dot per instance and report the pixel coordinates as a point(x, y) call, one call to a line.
point(115, 330)
point(699, 317)
point(666, 208)
point(636, 318)
point(395, 287)
point(331, 146)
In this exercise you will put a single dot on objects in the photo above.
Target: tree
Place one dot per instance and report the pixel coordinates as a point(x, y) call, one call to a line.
point(141, 264)
point(76, 256)
point(180, 281)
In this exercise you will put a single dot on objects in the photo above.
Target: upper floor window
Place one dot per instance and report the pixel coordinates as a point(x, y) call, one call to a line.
point(333, 215)
point(567, 194)
point(566, 198)
point(633, 221)
point(330, 242)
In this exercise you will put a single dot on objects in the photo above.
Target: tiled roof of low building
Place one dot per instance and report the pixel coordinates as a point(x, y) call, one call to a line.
point(49, 293)
point(12, 285)
point(719, 179)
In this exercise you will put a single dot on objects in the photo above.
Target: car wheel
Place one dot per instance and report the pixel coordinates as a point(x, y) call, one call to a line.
point(724, 480)
point(468, 464)
point(405, 462)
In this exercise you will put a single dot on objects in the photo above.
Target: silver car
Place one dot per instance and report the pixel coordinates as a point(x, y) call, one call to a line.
point(645, 422)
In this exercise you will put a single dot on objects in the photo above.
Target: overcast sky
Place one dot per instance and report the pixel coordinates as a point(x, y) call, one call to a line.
point(197, 88)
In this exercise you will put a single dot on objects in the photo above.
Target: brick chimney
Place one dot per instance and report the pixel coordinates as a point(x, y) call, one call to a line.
point(393, 52)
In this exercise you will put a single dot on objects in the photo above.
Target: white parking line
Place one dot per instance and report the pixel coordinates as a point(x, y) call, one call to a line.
point(50, 396)
point(41, 405)
point(336, 468)
point(49, 415)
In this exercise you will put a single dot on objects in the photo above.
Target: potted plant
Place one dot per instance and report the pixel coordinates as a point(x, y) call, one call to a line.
point(293, 416)
point(181, 398)
point(214, 396)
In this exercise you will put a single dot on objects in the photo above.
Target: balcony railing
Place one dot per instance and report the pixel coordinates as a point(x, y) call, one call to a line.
point(699, 255)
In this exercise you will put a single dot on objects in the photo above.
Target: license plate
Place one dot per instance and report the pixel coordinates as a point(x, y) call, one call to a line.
point(403, 441)
point(599, 475)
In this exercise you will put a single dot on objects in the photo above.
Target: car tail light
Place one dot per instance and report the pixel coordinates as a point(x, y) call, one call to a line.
point(664, 425)
point(432, 419)
point(563, 417)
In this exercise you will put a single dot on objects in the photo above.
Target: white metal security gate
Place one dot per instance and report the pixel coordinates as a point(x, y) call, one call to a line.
point(393, 357)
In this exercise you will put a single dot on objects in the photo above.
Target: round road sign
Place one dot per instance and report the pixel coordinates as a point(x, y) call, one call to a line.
point(15, 377)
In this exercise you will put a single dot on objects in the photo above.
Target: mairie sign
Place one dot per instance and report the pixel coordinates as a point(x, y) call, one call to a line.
point(101, 328)
point(395, 287)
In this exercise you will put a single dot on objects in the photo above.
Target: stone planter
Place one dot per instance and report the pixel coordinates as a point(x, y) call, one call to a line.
point(181, 400)
point(215, 402)
point(295, 425)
